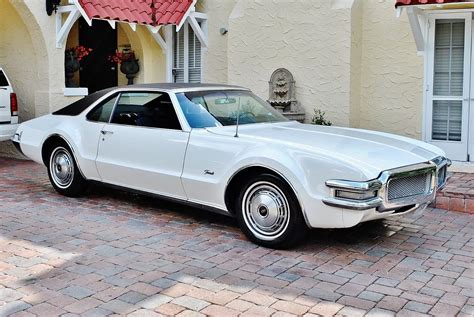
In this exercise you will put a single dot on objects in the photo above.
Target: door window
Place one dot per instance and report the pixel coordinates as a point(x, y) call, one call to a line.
point(448, 79)
point(146, 109)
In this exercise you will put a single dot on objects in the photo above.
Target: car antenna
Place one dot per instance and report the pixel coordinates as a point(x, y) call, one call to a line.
point(237, 123)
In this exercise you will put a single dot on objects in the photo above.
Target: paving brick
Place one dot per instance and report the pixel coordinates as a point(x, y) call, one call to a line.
point(83, 305)
point(326, 308)
point(378, 312)
point(190, 313)
point(13, 307)
point(45, 309)
point(258, 311)
point(239, 305)
point(118, 307)
point(219, 311)
point(443, 309)
point(350, 289)
point(392, 303)
point(418, 307)
point(169, 309)
point(144, 313)
point(77, 292)
point(372, 296)
point(356, 302)
point(290, 307)
point(191, 303)
point(364, 279)
point(352, 311)
point(323, 294)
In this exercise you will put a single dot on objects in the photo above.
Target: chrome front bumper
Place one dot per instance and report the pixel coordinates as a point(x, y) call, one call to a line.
point(436, 168)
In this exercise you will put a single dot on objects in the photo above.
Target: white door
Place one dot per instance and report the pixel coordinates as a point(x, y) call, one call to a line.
point(449, 87)
point(143, 146)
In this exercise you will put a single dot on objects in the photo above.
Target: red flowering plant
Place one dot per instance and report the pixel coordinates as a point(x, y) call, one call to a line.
point(78, 52)
point(124, 56)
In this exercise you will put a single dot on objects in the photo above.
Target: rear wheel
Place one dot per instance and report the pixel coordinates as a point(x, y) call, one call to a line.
point(64, 173)
point(268, 212)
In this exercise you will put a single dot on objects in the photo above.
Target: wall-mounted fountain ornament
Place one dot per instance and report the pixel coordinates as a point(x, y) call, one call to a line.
point(283, 95)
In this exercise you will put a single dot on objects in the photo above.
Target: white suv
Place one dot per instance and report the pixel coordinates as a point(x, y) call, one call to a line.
point(8, 108)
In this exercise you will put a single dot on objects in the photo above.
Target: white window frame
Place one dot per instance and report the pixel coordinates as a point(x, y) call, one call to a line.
point(186, 27)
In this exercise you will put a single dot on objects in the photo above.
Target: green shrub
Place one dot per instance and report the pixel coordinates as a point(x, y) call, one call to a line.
point(319, 119)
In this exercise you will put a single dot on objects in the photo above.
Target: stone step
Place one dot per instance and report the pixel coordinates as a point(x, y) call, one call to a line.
point(458, 194)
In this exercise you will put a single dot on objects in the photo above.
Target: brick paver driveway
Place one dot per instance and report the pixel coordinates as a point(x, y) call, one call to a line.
point(117, 253)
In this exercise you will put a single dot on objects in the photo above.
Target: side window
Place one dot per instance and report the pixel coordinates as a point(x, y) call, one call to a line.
point(146, 109)
point(102, 112)
point(3, 80)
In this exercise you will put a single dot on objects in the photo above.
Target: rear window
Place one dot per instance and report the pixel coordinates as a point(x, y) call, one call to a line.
point(3, 80)
point(79, 106)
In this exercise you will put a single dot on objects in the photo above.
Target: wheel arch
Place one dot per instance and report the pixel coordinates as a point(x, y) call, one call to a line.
point(232, 188)
point(50, 141)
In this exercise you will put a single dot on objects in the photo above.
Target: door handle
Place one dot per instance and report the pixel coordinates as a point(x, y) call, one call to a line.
point(104, 132)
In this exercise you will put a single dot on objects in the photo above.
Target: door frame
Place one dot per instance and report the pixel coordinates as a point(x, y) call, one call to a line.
point(468, 84)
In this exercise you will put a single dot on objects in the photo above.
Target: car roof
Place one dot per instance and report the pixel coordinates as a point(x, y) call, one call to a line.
point(182, 87)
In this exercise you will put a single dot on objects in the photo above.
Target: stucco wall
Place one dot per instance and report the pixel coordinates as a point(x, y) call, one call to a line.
point(17, 59)
point(356, 61)
point(312, 39)
point(16, 49)
point(392, 72)
point(215, 56)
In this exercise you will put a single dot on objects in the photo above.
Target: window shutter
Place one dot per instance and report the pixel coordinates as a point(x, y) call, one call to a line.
point(448, 79)
point(178, 58)
point(194, 57)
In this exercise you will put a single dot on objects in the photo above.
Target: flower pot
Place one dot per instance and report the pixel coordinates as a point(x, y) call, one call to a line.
point(130, 68)
point(71, 65)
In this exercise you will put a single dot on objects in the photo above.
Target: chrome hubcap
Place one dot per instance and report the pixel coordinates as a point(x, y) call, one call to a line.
point(62, 167)
point(266, 210)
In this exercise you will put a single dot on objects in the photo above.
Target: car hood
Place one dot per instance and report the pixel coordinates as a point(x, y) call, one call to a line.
point(370, 151)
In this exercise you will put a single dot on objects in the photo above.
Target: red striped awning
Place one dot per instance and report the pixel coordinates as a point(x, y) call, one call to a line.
point(149, 12)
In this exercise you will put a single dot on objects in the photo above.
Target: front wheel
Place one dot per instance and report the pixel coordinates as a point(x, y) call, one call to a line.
point(268, 212)
point(64, 173)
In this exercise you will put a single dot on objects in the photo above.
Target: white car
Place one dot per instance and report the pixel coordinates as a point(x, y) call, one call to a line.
point(225, 149)
point(8, 108)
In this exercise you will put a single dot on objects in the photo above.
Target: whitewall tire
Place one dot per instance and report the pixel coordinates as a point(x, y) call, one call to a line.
point(268, 212)
point(63, 172)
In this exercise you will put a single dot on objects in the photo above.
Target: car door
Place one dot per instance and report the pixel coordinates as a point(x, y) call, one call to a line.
point(143, 146)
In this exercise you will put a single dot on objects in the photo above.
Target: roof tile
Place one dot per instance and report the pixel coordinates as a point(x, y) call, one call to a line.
point(151, 12)
point(418, 2)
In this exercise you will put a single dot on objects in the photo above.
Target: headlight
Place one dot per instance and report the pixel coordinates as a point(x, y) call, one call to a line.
point(364, 195)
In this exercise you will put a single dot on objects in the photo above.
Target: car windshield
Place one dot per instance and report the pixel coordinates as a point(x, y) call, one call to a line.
point(222, 107)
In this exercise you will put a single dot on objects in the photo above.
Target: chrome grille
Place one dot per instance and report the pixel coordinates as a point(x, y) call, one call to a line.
point(409, 186)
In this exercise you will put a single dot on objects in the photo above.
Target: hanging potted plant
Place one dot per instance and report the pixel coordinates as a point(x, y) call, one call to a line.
point(72, 62)
point(128, 63)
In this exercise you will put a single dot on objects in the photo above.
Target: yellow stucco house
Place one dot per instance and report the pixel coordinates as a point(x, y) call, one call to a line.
point(403, 67)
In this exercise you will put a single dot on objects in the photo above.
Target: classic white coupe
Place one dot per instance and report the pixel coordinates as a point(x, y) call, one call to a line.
point(223, 148)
